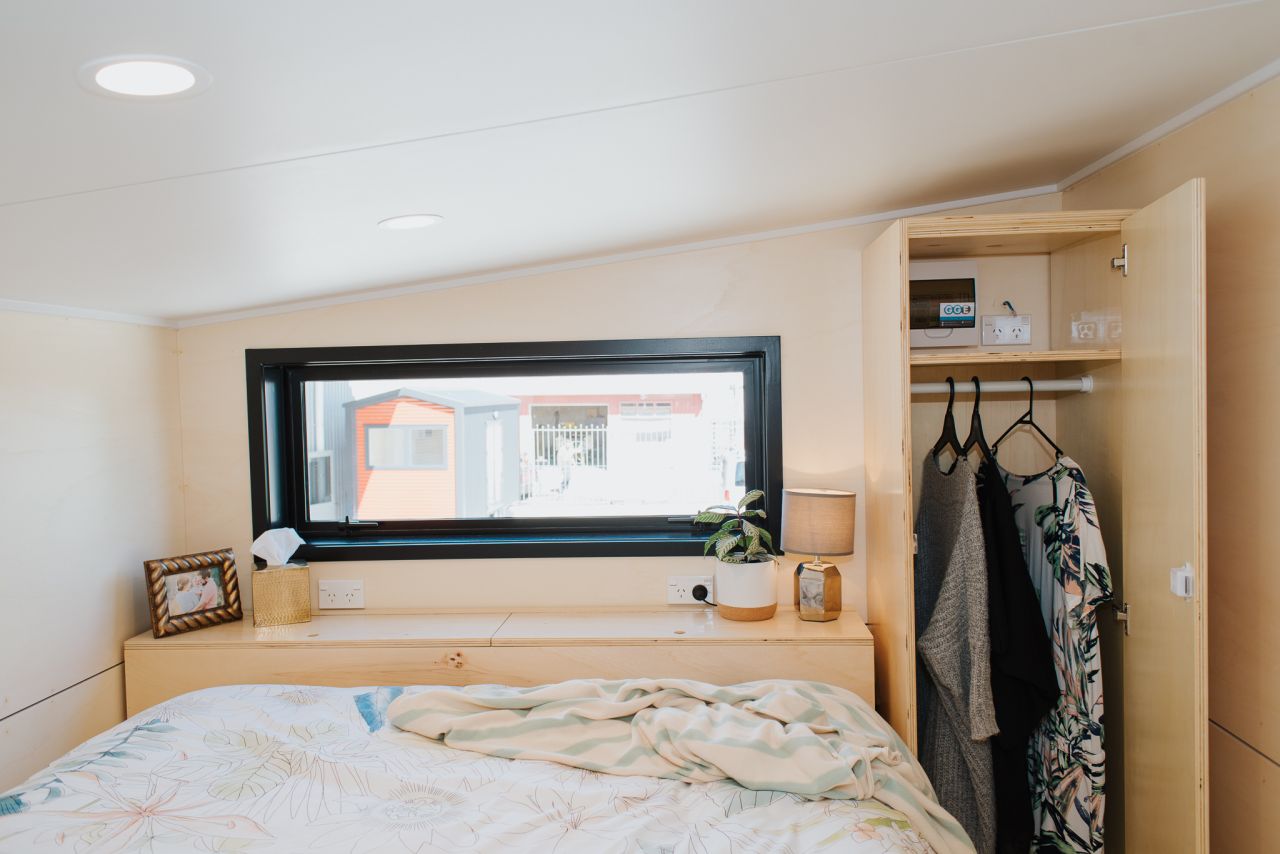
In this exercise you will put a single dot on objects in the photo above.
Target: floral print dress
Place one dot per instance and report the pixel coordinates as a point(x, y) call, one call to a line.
point(1068, 564)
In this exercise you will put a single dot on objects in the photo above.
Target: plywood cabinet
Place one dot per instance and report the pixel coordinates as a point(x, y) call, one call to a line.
point(520, 648)
point(1139, 437)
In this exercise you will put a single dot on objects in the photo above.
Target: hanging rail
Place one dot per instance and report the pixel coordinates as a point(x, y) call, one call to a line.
point(1083, 384)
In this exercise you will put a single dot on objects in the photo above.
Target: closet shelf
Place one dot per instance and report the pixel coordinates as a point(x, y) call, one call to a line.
point(970, 357)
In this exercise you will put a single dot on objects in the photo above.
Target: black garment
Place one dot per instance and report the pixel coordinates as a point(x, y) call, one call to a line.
point(1024, 684)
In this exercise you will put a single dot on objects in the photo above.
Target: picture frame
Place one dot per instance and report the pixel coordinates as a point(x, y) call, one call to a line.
point(192, 591)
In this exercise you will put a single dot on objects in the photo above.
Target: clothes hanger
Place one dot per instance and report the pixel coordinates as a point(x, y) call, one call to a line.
point(976, 437)
point(948, 439)
point(1028, 418)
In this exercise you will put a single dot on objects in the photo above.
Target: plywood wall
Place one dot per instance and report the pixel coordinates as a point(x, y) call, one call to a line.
point(1236, 149)
point(804, 288)
point(91, 487)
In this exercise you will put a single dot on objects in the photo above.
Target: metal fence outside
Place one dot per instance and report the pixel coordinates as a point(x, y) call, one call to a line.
point(576, 447)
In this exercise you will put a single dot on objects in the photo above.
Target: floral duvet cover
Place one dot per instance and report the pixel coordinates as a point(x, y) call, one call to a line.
point(272, 768)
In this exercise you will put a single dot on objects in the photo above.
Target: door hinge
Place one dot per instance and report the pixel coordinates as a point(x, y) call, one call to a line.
point(1122, 614)
point(915, 544)
point(1122, 263)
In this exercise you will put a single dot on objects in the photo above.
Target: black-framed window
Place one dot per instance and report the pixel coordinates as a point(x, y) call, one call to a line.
point(511, 450)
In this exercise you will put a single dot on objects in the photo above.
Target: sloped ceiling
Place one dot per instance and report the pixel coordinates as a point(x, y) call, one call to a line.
point(546, 131)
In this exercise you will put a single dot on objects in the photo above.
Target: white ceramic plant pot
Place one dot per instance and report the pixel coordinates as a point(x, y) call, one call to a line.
point(746, 591)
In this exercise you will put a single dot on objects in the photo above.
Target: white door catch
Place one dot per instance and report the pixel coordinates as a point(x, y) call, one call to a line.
point(1182, 581)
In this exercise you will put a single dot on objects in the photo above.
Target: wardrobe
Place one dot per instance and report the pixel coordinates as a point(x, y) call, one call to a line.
point(1137, 431)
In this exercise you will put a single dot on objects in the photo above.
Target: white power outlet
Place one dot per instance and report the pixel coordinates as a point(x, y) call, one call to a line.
point(341, 594)
point(1006, 329)
point(680, 588)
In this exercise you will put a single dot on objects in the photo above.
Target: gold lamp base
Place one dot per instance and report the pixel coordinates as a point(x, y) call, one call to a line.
point(817, 591)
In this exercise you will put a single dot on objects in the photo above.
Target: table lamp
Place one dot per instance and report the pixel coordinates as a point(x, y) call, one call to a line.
point(818, 522)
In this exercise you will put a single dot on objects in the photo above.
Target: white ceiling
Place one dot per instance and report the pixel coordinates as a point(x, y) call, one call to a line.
point(546, 131)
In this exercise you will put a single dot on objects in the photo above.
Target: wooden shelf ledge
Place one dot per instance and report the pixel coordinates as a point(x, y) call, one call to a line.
point(673, 626)
point(1000, 225)
point(1011, 357)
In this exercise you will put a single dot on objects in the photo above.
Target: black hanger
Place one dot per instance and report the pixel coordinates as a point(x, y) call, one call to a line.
point(976, 437)
point(1028, 418)
point(948, 439)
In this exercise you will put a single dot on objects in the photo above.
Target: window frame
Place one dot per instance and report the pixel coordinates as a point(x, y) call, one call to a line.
point(277, 441)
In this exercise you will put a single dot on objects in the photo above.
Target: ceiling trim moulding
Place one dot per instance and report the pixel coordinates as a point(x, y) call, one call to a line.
point(1186, 117)
point(24, 307)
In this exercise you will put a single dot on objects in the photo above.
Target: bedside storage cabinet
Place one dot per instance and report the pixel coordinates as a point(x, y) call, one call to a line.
point(511, 648)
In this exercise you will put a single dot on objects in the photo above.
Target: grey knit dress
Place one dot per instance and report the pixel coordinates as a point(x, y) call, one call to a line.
point(952, 641)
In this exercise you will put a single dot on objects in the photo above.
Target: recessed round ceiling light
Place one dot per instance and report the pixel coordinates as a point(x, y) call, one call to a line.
point(407, 221)
point(143, 77)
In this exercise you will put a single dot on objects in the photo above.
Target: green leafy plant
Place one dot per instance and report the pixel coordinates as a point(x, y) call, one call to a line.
point(740, 538)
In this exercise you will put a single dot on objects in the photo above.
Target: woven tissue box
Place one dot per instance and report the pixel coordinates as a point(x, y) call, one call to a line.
point(281, 595)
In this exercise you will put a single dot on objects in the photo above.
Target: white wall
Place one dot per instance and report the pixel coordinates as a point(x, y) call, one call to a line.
point(89, 488)
point(804, 288)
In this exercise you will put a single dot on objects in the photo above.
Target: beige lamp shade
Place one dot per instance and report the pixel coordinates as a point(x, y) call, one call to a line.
point(818, 521)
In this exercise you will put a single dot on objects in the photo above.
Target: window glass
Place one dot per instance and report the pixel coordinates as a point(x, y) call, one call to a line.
point(571, 445)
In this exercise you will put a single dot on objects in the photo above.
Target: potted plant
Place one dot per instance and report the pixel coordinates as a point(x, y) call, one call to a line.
point(745, 577)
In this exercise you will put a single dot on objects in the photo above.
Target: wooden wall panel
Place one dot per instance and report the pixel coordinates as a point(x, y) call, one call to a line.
point(1083, 282)
point(886, 402)
point(1245, 806)
point(90, 487)
point(1234, 149)
point(34, 737)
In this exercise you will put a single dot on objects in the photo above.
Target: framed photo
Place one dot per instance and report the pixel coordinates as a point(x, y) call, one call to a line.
point(192, 591)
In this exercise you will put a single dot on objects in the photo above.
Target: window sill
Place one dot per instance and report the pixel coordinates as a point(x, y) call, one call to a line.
point(453, 548)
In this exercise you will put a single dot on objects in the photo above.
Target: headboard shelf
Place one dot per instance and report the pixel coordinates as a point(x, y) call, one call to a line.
point(506, 647)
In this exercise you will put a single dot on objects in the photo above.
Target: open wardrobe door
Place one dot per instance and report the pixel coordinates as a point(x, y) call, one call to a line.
point(1164, 707)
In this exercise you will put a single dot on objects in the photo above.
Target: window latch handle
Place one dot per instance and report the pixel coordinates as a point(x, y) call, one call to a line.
point(348, 525)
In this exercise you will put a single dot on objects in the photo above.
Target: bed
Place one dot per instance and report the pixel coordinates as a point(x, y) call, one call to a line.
point(277, 768)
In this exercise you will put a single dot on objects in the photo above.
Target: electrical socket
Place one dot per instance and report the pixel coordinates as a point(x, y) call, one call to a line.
point(341, 594)
point(1000, 329)
point(680, 588)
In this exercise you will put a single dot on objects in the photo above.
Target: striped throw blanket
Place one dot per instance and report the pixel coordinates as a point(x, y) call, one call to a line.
point(807, 738)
